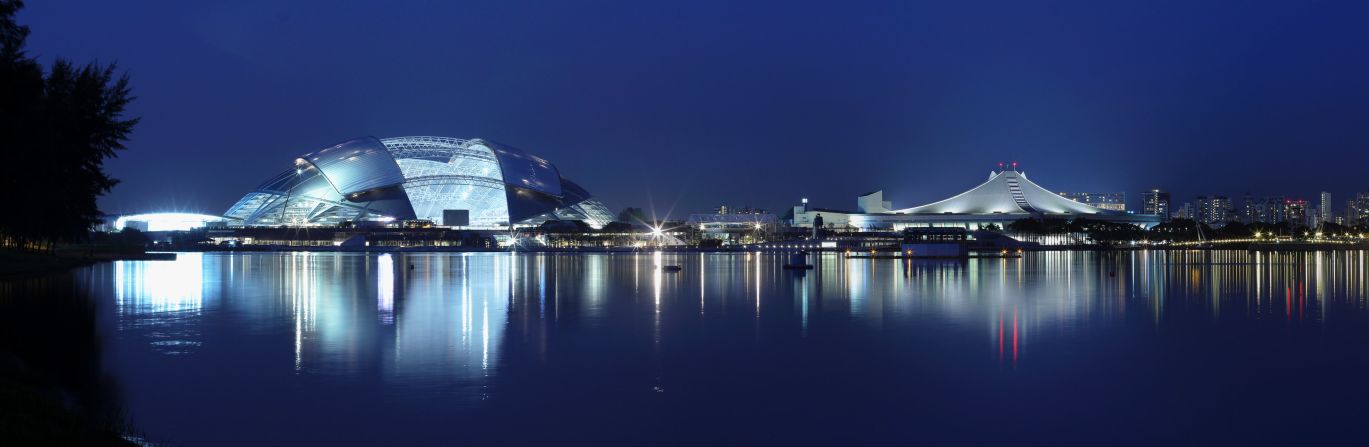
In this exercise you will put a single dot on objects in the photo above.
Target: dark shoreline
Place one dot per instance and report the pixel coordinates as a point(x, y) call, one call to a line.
point(16, 264)
point(53, 390)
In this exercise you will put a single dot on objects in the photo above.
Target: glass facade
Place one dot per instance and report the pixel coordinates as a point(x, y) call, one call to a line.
point(418, 178)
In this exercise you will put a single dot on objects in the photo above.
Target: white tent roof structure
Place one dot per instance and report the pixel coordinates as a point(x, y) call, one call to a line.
point(1009, 192)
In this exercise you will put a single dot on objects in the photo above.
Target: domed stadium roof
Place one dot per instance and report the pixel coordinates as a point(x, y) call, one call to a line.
point(1008, 192)
point(1005, 197)
point(369, 179)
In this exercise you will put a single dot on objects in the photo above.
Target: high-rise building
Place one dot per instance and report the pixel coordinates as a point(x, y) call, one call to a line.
point(1295, 212)
point(1116, 201)
point(1185, 211)
point(1155, 202)
point(1248, 209)
point(1213, 210)
point(1275, 210)
point(1325, 207)
point(1357, 209)
point(1269, 210)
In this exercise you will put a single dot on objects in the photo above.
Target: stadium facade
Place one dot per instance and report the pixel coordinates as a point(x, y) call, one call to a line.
point(1007, 196)
point(471, 183)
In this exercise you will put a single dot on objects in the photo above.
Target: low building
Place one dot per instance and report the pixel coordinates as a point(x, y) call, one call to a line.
point(804, 216)
point(738, 228)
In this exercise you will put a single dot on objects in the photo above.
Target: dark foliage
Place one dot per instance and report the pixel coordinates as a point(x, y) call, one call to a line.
point(1107, 232)
point(564, 226)
point(618, 227)
point(57, 128)
point(1180, 230)
point(632, 215)
point(1233, 230)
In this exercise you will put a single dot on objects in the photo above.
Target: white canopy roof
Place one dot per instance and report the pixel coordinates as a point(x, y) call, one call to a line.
point(1008, 192)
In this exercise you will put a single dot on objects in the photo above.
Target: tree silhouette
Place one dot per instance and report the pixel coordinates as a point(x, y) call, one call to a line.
point(632, 215)
point(57, 129)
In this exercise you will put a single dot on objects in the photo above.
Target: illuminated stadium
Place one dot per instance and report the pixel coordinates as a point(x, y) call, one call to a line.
point(447, 181)
point(1007, 196)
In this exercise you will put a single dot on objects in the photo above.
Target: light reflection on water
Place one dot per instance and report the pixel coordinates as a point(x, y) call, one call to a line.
point(163, 298)
point(448, 303)
point(440, 333)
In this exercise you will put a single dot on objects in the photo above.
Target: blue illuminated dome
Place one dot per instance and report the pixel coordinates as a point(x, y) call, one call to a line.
point(428, 178)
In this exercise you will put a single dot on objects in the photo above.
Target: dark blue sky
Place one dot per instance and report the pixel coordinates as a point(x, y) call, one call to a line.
point(698, 103)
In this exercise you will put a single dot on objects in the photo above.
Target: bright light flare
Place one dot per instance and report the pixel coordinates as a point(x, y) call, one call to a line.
point(167, 221)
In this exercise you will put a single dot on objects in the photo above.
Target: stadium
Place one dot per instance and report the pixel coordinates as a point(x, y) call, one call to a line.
point(1007, 196)
point(450, 182)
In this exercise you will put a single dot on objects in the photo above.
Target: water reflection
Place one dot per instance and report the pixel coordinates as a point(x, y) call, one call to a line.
point(446, 314)
point(163, 300)
point(426, 335)
point(451, 318)
point(150, 287)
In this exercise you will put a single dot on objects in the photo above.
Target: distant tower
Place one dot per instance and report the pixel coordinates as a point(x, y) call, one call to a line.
point(1325, 209)
point(1155, 202)
point(817, 227)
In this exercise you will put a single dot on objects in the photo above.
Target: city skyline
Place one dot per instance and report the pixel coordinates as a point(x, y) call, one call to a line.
point(684, 223)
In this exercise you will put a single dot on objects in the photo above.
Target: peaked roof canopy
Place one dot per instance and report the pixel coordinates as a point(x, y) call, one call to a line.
point(1008, 192)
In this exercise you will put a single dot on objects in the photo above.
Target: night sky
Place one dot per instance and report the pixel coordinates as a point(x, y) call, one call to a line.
point(690, 104)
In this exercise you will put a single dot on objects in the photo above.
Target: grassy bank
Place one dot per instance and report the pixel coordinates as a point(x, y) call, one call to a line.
point(28, 264)
point(23, 264)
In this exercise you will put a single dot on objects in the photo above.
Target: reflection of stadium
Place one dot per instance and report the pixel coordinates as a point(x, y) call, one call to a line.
point(1007, 196)
point(448, 181)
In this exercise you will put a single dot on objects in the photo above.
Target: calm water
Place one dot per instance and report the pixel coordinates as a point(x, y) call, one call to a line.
point(1084, 348)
